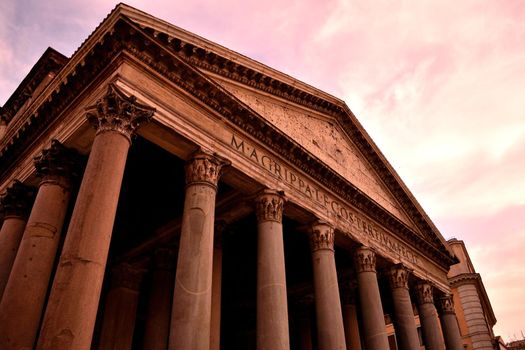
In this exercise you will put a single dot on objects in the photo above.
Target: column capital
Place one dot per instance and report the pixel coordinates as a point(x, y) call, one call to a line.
point(204, 168)
point(58, 163)
point(424, 293)
point(127, 276)
point(446, 304)
point(269, 206)
point(164, 258)
point(398, 276)
point(17, 200)
point(365, 260)
point(322, 236)
point(118, 112)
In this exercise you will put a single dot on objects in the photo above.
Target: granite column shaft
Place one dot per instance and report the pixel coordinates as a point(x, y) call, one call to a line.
point(428, 317)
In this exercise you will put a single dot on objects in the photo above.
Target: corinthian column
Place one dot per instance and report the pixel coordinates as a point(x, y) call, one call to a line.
point(29, 279)
point(330, 331)
point(215, 333)
point(374, 329)
point(120, 310)
point(428, 317)
point(351, 324)
point(15, 203)
point(272, 306)
point(191, 313)
point(404, 322)
point(157, 328)
point(72, 307)
point(449, 323)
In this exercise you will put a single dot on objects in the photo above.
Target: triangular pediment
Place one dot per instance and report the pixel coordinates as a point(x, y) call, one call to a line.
point(322, 136)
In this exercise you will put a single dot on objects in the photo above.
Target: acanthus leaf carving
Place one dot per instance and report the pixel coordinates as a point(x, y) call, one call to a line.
point(398, 277)
point(204, 168)
point(322, 236)
point(58, 161)
point(269, 206)
point(365, 260)
point(118, 112)
point(424, 293)
point(17, 200)
point(446, 304)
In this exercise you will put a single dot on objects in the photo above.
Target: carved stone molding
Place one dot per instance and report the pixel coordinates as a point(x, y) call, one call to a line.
point(398, 277)
point(127, 276)
point(164, 259)
point(269, 206)
point(118, 112)
point(365, 260)
point(322, 236)
point(446, 304)
point(204, 168)
point(17, 200)
point(424, 293)
point(58, 163)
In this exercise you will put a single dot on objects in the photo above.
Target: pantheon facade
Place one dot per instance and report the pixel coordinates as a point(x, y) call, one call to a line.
point(160, 191)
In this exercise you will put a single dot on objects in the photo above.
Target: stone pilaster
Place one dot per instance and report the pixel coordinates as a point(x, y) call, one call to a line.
point(428, 317)
point(156, 330)
point(349, 308)
point(449, 323)
point(31, 272)
point(330, 330)
point(191, 313)
point(272, 306)
point(73, 303)
point(15, 204)
point(120, 310)
point(404, 323)
point(374, 331)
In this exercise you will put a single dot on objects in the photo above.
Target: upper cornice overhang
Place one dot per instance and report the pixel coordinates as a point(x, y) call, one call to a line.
point(50, 61)
point(175, 61)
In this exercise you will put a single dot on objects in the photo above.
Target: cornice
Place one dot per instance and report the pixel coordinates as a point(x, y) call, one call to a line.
point(126, 36)
point(51, 61)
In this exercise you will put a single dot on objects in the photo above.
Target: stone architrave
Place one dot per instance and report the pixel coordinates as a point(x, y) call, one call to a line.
point(404, 321)
point(120, 310)
point(215, 332)
point(73, 303)
point(432, 336)
point(157, 328)
point(350, 320)
point(15, 203)
point(374, 328)
point(449, 323)
point(31, 272)
point(191, 311)
point(330, 330)
point(272, 306)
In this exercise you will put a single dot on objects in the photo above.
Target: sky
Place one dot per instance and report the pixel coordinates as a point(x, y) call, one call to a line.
point(438, 84)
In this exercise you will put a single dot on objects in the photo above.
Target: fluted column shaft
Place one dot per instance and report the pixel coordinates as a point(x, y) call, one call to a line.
point(272, 305)
point(73, 303)
point(449, 323)
point(156, 330)
point(191, 313)
point(330, 330)
point(404, 322)
point(29, 279)
point(120, 310)
point(374, 329)
point(15, 204)
point(428, 317)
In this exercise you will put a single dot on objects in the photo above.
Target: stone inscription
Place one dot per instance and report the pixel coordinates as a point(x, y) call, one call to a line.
point(347, 216)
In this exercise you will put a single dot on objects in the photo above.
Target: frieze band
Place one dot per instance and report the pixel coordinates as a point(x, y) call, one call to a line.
point(343, 213)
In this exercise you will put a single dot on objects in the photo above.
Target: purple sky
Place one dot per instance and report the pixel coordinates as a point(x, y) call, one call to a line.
point(439, 85)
